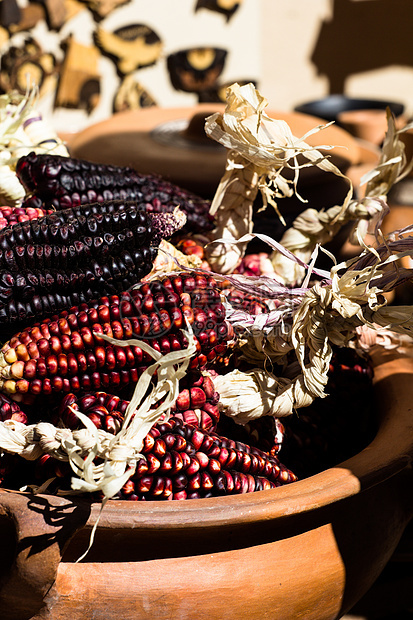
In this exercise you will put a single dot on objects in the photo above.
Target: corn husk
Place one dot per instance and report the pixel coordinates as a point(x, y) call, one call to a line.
point(304, 325)
point(170, 259)
point(312, 226)
point(260, 150)
point(22, 130)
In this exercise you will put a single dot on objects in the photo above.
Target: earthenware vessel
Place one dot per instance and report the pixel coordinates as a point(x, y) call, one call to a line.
point(308, 550)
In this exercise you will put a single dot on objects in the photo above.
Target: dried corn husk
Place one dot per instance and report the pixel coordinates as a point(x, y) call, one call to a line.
point(170, 259)
point(305, 324)
point(260, 149)
point(314, 227)
point(22, 130)
point(232, 207)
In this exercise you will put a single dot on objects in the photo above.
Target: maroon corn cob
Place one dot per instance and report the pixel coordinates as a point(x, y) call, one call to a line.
point(197, 402)
point(246, 302)
point(62, 182)
point(181, 461)
point(10, 464)
point(10, 410)
point(62, 354)
point(14, 215)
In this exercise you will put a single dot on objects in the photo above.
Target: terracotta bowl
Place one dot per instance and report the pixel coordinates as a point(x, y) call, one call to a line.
point(309, 550)
point(368, 125)
point(166, 141)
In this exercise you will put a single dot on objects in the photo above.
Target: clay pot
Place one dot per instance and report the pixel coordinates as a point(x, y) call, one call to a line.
point(172, 142)
point(368, 125)
point(309, 550)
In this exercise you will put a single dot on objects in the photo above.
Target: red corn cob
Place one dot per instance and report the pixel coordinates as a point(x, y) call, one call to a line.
point(180, 460)
point(197, 402)
point(14, 215)
point(244, 301)
point(194, 245)
point(64, 355)
point(183, 462)
point(10, 464)
point(10, 410)
point(62, 182)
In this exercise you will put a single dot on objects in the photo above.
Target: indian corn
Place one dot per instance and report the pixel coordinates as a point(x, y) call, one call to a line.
point(66, 353)
point(53, 181)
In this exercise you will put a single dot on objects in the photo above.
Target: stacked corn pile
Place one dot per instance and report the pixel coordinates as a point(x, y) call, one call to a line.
point(123, 378)
point(75, 254)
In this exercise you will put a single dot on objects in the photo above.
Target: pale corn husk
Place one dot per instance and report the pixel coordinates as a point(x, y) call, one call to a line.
point(260, 149)
point(232, 206)
point(314, 227)
point(22, 130)
point(306, 325)
point(170, 259)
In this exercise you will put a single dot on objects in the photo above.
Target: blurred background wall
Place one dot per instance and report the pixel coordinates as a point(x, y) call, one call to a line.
point(362, 48)
point(91, 58)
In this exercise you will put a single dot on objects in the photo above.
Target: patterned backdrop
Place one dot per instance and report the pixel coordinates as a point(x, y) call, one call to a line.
point(91, 58)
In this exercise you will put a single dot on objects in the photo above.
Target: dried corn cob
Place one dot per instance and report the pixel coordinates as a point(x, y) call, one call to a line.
point(197, 402)
point(196, 405)
point(9, 410)
point(78, 237)
point(13, 215)
point(66, 258)
point(183, 462)
point(10, 464)
point(63, 182)
point(67, 354)
point(180, 460)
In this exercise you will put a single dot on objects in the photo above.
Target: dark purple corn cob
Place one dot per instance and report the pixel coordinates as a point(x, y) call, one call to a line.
point(53, 181)
point(62, 354)
point(74, 256)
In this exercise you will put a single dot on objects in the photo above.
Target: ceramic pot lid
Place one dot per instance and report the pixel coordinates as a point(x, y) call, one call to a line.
point(172, 142)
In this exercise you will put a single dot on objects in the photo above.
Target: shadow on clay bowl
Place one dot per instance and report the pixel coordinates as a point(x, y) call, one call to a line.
point(329, 108)
point(308, 550)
